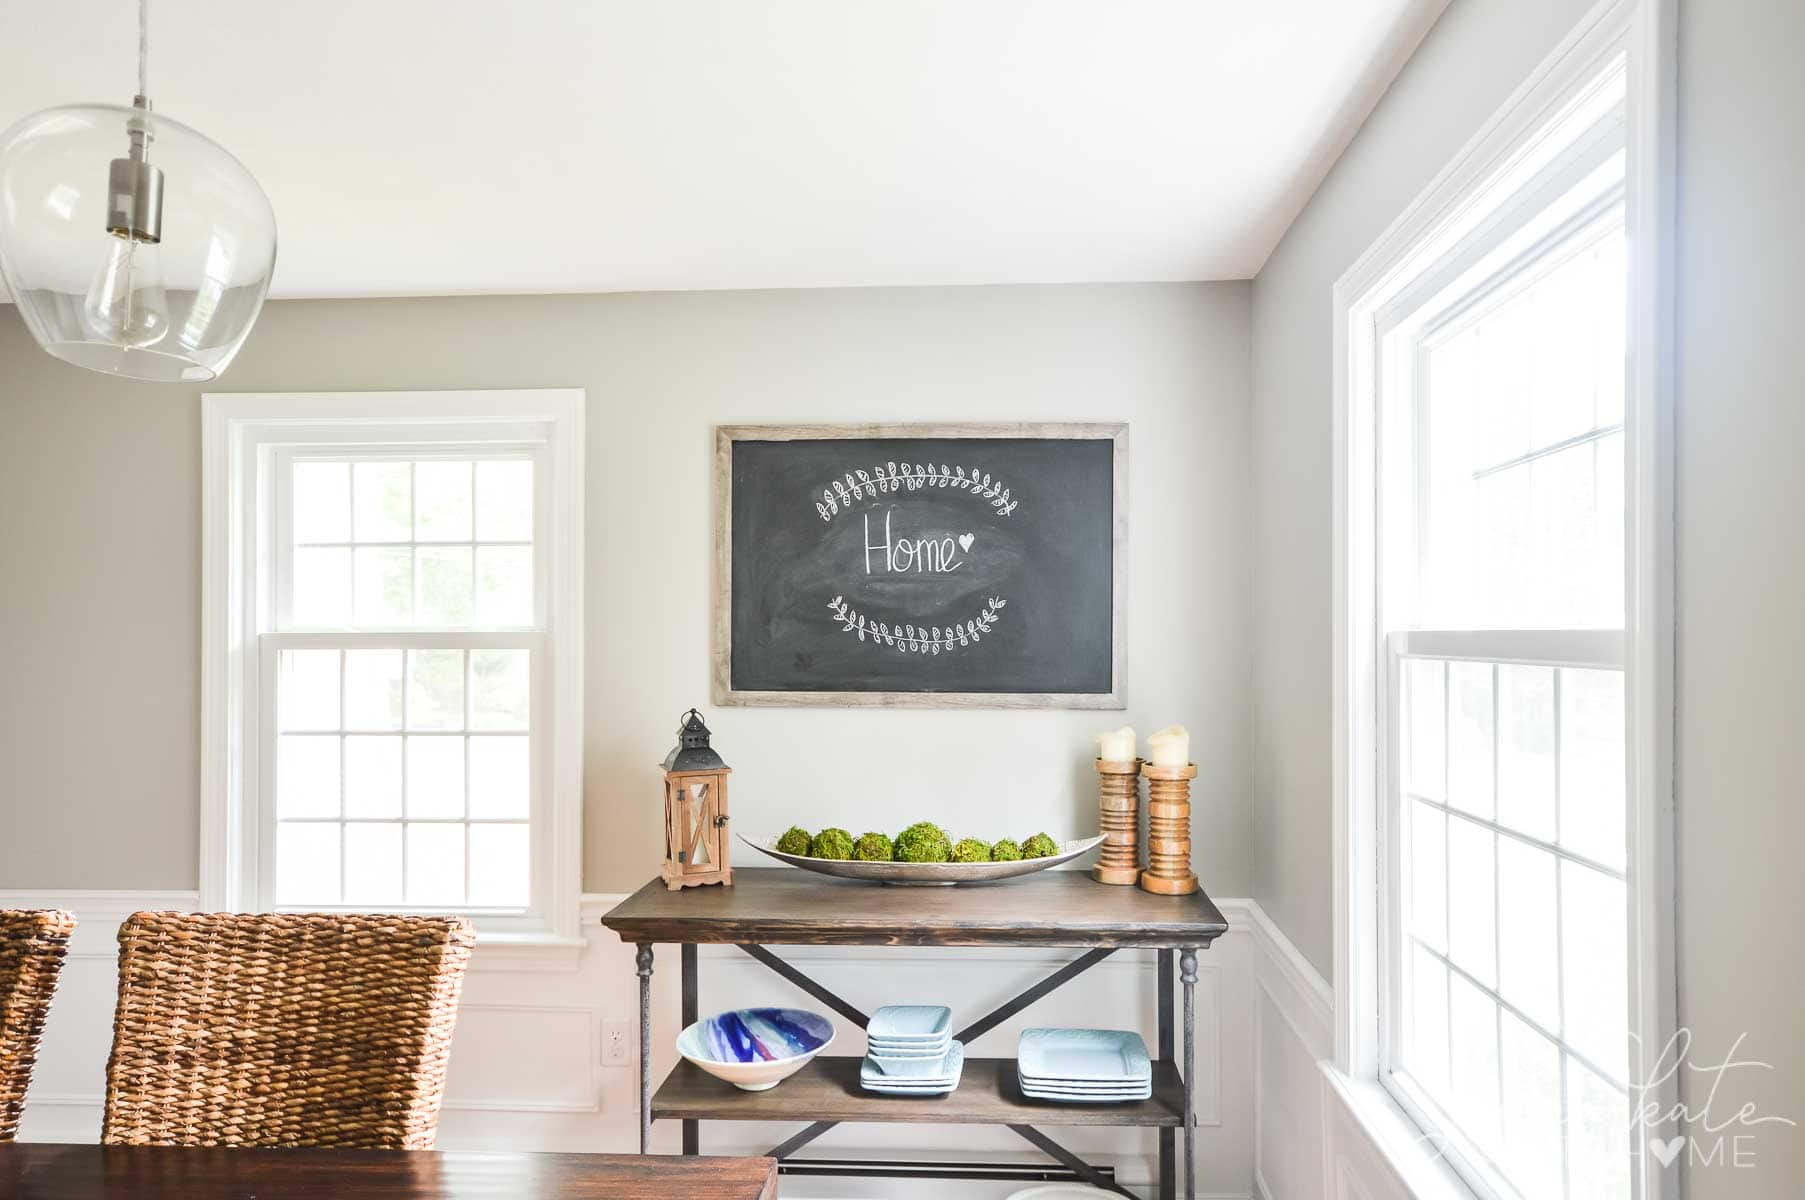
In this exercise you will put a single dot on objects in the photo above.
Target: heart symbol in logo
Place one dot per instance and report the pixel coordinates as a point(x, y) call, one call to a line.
point(965, 540)
point(1667, 1150)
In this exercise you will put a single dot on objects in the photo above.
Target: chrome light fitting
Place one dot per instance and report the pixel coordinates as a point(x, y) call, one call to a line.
point(99, 278)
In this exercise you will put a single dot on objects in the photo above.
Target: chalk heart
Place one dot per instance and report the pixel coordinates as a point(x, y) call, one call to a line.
point(965, 541)
point(1667, 1150)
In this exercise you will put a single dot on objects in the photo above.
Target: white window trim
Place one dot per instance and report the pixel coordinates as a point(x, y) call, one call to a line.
point(235, 428)
point(1643, 30)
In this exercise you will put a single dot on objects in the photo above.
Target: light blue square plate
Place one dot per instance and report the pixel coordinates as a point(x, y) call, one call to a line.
point(910, 1023)
point(1082, 1055)
point(1039, 1089)
point(943, 1089)
point(942, 1066)
point(940, 1074)
point(1101, 1098)
point(902, 1050)
point(1078, 1094)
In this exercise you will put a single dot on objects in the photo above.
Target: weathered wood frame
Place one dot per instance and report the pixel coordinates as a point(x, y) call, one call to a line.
point(727, 435)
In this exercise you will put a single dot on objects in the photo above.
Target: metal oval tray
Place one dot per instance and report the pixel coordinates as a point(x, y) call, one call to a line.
point(924, 874)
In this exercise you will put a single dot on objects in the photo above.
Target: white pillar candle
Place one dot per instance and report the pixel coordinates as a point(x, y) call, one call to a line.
point(1171, 747)
point(1117, 745)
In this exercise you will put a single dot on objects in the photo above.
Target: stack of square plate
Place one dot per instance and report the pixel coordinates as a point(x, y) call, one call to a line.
point(1084, 1066)
point(912, 1051)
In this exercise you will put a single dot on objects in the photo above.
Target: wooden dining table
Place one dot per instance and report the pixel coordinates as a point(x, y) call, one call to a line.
point(46, 1171)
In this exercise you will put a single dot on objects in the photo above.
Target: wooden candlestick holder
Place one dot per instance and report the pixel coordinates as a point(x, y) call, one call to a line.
point(1168, 870)
point(1119, 815)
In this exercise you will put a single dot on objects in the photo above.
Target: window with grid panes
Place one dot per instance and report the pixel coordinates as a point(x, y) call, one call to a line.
point(403, 655)
point(1505, 1023)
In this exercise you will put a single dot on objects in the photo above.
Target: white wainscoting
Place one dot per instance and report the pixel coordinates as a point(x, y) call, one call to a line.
point(1317, 1134)
point(1293, 1032)
point(527, 1068)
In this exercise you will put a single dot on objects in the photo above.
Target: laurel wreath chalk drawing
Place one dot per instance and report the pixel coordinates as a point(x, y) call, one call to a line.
point(913, 639)
point(888, 477)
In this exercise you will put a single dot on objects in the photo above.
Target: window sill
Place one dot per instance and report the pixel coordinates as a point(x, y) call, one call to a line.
point(1397, 1139)
point(526, 952)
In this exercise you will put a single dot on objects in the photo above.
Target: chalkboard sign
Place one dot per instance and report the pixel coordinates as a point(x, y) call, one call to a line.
point(976, 565)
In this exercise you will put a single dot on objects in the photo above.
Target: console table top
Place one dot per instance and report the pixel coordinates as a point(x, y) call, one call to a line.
point(785, 906)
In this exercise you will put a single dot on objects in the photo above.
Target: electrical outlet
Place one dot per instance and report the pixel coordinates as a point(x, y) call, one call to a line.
point(617, 1042)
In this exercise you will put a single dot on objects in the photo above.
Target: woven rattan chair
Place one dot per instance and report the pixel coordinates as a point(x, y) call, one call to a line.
point(33, 944)
point(285, 1029)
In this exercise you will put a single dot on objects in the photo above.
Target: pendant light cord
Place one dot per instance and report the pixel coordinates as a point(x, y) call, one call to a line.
point(144, 48)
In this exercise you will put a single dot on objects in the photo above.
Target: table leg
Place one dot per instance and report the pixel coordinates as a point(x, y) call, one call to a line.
point(1168, 1137)
point(692, 1130)
point(643, 958)
point(1187, 971)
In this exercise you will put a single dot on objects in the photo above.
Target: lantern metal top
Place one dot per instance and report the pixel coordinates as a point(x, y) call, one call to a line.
point(692, 751)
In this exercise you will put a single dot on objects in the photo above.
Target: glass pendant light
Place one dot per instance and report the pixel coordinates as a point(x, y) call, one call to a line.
point(131, 244)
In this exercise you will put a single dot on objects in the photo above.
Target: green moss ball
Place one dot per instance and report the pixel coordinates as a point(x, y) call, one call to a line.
point(831, 843)
point(1007, 850)
point(795, 840)
point(969, 850)
point(1039, 846)
point(872, 847)
point(923, 841)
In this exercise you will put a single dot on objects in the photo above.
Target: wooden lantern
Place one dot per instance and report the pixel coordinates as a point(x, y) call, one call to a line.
point(695, 809)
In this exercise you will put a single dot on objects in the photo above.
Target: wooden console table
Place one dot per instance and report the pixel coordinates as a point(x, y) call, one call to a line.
point(1056, 908)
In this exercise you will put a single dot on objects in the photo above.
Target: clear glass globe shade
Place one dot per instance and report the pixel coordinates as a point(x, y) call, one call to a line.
point(173, 311)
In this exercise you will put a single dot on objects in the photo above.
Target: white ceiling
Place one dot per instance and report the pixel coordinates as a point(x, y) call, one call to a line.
point(450, 146)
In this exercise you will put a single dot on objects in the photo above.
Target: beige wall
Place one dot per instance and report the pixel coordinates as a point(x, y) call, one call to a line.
point(1470, 62)
point(99, 511)
point(1741, 509)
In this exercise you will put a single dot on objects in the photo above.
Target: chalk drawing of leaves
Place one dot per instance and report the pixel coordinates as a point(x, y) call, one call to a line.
point(884, 478)
point(908, 638)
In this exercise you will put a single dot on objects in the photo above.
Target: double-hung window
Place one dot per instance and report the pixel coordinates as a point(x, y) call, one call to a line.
point(1505, 945)
point(397, 657)
point(1494, 981)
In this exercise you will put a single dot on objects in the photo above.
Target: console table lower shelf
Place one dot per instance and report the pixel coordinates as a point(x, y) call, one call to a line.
point(827, 1089)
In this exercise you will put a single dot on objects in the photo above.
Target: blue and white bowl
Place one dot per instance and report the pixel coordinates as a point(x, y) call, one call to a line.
point(756, 1048)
